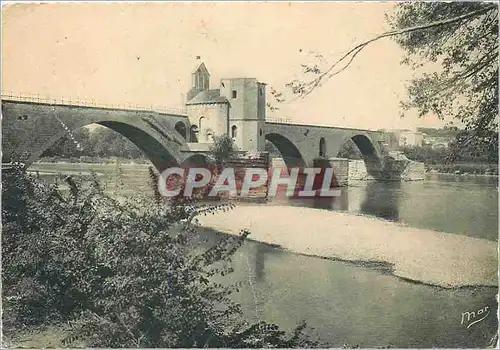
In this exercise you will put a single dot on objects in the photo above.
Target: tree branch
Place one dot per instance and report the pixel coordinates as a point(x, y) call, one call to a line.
point(355, 50)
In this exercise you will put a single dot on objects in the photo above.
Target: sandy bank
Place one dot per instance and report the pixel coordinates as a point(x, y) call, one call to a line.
point(437, 258)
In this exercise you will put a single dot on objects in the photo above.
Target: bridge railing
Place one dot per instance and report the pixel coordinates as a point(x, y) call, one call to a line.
point(282, 120)
point(71, 101)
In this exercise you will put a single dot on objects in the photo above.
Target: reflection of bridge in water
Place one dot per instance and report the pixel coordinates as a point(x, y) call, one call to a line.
point(373, 198)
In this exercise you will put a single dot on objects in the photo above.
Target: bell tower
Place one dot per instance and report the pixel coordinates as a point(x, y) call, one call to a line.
point(200, 80)
point(247, 116)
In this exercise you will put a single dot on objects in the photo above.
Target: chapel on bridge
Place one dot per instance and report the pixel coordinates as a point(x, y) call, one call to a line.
point(237, 108)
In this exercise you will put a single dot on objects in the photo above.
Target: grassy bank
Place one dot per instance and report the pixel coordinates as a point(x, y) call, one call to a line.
point(464, 168)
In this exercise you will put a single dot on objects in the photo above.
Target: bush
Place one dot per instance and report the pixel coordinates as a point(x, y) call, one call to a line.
point(120, 273)
point(425, 155)
point(468, 168)
point(37, 269)
point(451, 156)
point(222, 149)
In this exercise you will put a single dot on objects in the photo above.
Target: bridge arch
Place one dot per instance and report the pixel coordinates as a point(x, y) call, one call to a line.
point(152, 147)
point(290, 153)
point(152, 132)
point(180, 127)
point(365, 145)
point(369, 152)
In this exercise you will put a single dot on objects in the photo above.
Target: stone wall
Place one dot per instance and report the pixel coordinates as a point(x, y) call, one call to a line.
point(245, 160)
point(350, 172)
point(211, 119)
point(412, 171)
point(415, 171)
point(358, 172)
point(340, 168)
point(397, 167)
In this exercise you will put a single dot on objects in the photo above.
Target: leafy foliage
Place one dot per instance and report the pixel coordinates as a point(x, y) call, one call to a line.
point(479, 152)
point(222, 148)
point(457, 44)
point(121, 273)
point(446, 131)
point(425, 155)
point(40, 230)
point(466, 52)
point(470, 147)
point(272, 149)
point(70, 145)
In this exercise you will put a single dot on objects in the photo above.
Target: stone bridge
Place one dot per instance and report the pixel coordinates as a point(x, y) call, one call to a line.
point(301, 145)
point(31, 127)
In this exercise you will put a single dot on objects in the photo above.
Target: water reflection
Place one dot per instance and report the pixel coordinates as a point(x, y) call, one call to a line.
point(382, 200)
point(471, 201)
point(451, 178)
point(261, 252)
point(340, 203)
point(375, 198)
point(353, 305)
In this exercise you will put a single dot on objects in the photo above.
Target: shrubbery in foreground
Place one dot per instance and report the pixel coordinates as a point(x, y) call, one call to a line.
point(120, 273)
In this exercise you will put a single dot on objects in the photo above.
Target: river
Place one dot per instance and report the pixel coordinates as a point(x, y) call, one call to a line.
point(350, 304)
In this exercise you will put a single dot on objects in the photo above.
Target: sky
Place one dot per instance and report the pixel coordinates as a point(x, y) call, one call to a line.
point(144, 53)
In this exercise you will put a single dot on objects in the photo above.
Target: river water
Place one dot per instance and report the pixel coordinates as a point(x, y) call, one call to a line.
point(349, 304)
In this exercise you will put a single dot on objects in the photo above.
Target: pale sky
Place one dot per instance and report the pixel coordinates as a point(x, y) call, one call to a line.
point(143, 54)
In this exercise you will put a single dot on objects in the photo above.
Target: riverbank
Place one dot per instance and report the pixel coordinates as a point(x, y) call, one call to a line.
point(424, 256)
point(92, 160)
point(357, 170)
point(477, 169)
point(461, 174)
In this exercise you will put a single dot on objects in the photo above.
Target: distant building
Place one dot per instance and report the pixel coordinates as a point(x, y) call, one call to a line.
point(408, 137)
point(439, 138)
point(436, 142)
point(237, 107)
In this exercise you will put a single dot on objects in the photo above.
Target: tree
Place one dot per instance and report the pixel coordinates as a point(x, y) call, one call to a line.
point(476, 149)
point(120, 273)
point(74, 145)
point(222, 148)
point(100, 142)
point(425, 155)
point(462, 37)
point(105, 142)
point(459, 37)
